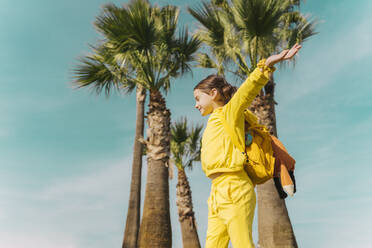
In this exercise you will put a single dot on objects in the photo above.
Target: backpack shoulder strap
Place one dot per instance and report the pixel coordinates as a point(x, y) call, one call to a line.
point(250, 118)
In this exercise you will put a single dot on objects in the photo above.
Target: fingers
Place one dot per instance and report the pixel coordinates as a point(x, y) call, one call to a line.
point(284, 52)
point(296, 46)
point(293, 51)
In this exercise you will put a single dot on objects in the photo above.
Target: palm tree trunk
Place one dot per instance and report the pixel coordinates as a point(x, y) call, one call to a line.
point(186, 215)
point(274, 225)
point(155, 229)
point(134, 208)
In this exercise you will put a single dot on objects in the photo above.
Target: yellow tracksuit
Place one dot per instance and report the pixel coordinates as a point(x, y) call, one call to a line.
point(232, 199)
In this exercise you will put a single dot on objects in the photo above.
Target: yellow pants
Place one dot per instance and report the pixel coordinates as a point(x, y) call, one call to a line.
point(231, 207)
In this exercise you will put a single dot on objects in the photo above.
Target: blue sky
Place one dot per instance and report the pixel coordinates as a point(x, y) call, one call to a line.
point(65, 154)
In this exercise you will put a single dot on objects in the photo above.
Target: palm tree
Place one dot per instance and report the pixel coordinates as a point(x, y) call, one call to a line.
point(145, 38)
point(185, 148)
point(254, 29)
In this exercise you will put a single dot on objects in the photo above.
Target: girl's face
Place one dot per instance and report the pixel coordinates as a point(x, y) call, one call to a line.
point(204, 101)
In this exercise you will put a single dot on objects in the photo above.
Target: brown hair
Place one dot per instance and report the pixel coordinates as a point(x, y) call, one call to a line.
point(219, 83)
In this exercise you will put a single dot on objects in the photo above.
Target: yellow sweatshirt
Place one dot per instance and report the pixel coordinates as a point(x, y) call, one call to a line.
point(218, 154)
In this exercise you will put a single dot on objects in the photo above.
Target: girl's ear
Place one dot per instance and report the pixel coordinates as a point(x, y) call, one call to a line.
point(214, 93)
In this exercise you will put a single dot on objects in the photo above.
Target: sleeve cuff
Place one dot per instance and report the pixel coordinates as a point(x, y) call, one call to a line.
point(265, 69)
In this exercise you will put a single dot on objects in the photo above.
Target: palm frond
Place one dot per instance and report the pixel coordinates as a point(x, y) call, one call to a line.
point(303, 30)
point(128, 28)
point(166, 23)
point(92, 72)
point(185, 143)
point(104, 70)
point(186, 48)
point(205, 61)
point(213, 29)
point(176, 61)
point(194, 137)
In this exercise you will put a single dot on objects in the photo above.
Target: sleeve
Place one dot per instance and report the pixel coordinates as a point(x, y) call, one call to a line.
point(246, 93)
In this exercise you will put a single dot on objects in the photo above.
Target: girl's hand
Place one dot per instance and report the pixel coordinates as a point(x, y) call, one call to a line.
point(284, 55)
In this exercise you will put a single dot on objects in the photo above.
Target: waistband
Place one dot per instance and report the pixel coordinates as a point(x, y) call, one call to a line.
point(229, 175)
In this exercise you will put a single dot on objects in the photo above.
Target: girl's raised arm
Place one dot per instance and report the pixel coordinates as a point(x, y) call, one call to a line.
point(246, 93)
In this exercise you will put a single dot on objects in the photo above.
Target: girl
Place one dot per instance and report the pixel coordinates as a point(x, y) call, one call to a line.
point(232, 199)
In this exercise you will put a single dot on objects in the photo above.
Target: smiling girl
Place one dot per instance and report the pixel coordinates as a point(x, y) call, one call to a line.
point(232, 199)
